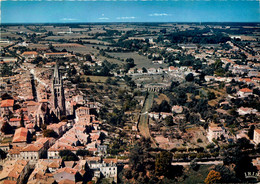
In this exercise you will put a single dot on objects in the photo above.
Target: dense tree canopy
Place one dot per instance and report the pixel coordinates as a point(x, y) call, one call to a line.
point(189, 77)
point(68, 155)
point(213, 177)
point(163, 163)
point(50, 133)
point(2, 154)
point(7, 128)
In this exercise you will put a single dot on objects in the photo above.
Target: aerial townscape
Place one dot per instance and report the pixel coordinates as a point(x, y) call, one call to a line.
point(130, 103)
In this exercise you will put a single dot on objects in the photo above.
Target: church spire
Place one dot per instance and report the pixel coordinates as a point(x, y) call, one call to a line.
point(56, 72)
point(58, 93)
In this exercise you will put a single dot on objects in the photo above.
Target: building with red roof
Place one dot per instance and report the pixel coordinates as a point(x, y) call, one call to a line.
point(172, 68)
point(57, 55)
point(20, 136)
point(30, 54)
point(244, 92)
point(14, 171)
point(66, 173)
point(6, 107)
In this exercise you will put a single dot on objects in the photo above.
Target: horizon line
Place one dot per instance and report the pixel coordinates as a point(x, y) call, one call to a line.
point(200, 22)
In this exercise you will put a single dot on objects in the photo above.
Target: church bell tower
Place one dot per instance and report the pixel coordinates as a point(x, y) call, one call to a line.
point(58, 93)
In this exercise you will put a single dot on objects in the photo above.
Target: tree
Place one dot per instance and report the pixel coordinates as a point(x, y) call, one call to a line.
point(163, 107)
point(251, 132)
point(88, 79)
point(2, 154)
point(163, 163)
point(174, 84)
point(215, 154)
point(227, 176)
point(6, 96)
point(109, 80)
point(82, 153)
point(258, 148)
point(5, 70)
point(50, 133)
point(243, 163)
point(169, 120)
point(189, 77)
point(7, 128)
point(130, 63)
point(244, 143)
point(211, 95)
point(199, 140)
point(144, 70)
point(88, 57)
point(213, 177)
point(194, 165)
point(68, 155)
point(140, 161)
point(72, 71)
point(51, 47)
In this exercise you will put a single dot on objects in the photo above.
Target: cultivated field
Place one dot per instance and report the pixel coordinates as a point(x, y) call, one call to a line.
point(140, 61)
point(101, 79)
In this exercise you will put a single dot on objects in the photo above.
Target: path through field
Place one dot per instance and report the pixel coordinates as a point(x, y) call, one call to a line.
point(143, 125)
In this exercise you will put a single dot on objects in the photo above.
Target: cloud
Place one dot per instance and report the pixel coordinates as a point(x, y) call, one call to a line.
point(159, 14)
point(68, 19)
point(125, 18)
point(103, 18)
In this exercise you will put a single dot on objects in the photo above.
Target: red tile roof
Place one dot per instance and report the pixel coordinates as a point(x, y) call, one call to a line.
point(20, 135)
point(15, 150)
point(58, 147)
point(15, 119)
point(32, 148)
point(245, 79)
point(32, 103)
point(67, 170)
point(57, 53)
point(172, 68)
point(9, 182)
point(7, 103)
point(257, 130)
point(109, 160)
point(93, 159)
point(92, 149)
point(246, 90)
point(66, 182)
point(30, 53)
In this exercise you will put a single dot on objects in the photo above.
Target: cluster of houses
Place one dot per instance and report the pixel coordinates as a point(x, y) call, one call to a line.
point(29, 114)
point(170, 69)
point(34, 102)
point(31, 55)
point(43, 154)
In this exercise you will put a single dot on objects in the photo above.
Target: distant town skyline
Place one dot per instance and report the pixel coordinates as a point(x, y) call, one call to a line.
point(129, 11)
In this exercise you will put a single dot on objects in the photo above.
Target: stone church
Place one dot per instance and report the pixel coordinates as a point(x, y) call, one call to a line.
point(58, 93)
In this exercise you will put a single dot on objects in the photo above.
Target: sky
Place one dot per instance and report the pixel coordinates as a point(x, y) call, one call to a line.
point(71, 11)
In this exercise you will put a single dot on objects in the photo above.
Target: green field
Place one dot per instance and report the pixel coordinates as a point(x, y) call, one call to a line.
point(101, 79)
point(140, 61)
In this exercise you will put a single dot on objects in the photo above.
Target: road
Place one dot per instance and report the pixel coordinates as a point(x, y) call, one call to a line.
point(143, 123)
point(200, 163)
